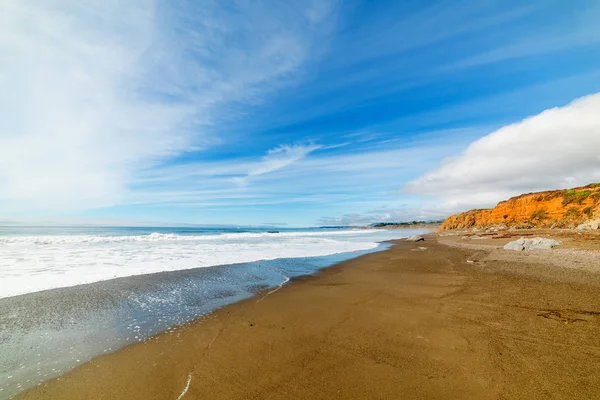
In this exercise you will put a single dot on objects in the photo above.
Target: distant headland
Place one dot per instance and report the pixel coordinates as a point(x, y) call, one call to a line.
point(390, 225)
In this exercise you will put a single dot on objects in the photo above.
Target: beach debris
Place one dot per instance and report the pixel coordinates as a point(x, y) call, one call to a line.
point(474, 237)
point(419, 249)
point(470, 261)
point(531, 244)
point(415, 238)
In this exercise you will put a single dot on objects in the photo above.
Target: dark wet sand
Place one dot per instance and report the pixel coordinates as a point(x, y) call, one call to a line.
point(399, 324)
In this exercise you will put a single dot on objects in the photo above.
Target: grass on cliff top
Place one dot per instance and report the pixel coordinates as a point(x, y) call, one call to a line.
point(573, 196)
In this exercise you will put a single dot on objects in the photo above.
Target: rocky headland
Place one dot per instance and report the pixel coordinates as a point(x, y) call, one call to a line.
point(577, 208)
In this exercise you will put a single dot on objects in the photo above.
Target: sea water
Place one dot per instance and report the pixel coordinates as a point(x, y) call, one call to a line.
point(70, 294)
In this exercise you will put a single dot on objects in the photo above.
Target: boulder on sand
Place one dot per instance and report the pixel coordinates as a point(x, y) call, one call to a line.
point(532, 244)
point(415, 238)
point(590, 225)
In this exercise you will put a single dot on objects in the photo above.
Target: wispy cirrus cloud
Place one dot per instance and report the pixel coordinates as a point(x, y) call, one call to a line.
point(277, 158)
point(280, 157)
point(583, 31)
point(238, 169)
point(92, 92)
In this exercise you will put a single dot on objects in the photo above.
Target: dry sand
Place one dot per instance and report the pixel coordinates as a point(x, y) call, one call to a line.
point(407, 323)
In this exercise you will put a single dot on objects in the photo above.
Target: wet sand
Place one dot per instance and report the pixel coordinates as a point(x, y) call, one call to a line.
point(440, 322)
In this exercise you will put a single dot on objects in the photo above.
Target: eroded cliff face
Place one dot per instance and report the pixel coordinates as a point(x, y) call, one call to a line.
point(554, 209)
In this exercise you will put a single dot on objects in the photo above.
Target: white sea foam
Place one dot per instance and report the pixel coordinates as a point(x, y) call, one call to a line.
point(34, 263)
point(159, 237)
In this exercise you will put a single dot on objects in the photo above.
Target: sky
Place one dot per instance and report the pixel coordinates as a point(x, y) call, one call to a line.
point(295, 113)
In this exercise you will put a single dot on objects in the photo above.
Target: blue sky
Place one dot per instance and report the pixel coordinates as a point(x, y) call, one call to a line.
point(297, 113)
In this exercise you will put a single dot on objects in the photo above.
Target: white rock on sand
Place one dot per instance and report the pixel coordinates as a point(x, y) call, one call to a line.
point(420, 249)
point(590, 225)
point(532, 244)
point(415, 238)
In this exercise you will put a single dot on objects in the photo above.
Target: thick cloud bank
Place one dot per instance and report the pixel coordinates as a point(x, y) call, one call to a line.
point(557, 148)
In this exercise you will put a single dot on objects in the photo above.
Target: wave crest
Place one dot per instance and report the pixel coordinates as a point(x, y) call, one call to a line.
point(159, 237)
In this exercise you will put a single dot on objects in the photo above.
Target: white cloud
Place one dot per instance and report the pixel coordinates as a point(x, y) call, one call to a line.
point(92, 92)
point(280, 157)
point(557, 148)
point(275, 159)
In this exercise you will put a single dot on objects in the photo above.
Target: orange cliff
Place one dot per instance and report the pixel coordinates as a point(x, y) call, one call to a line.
point(578, 207)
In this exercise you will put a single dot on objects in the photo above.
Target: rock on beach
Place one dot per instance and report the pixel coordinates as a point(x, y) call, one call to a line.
point(532, 244)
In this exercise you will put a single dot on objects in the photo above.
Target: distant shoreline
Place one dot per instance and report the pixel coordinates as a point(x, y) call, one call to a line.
point(390, 225)
point(420, 225)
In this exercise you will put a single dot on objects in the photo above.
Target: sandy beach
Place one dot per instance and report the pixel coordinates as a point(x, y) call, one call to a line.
point(422, 320)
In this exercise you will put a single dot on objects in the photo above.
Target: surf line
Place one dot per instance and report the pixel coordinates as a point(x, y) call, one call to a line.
point(187, 386)
point(274, 290)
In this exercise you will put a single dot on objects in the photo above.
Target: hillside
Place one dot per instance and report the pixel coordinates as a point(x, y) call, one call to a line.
point(572, 208)
point(405, 225)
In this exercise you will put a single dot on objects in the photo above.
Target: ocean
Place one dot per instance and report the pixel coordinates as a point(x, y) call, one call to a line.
point(69, 294)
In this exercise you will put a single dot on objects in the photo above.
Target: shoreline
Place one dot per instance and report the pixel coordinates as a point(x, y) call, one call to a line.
point(377, 316)
point(48, 333)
